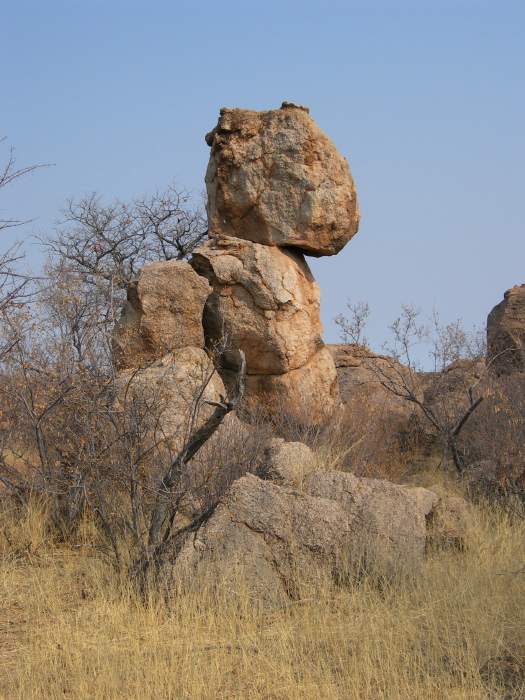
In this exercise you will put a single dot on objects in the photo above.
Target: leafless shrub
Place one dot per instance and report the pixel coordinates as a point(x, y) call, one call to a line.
point(452, 390)
point(111, 242)
point(75, 431)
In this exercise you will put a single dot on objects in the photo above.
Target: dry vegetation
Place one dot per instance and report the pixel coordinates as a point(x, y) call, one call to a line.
point(71, 626)
point(81, 457)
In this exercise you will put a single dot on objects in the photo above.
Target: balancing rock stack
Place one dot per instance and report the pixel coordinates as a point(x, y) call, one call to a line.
point(277, 190)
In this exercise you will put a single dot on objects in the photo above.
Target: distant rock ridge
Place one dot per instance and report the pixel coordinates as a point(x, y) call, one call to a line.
point(506, 331)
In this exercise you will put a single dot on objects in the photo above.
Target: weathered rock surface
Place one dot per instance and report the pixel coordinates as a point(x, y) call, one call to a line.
point(273, 542)
point(265, 302)
point(388, 521)
point(170, 386)
point(506, 331)
point(277, 543)
point(275, 178)
point(163, 313)
point(310, 393)
point(361, 371)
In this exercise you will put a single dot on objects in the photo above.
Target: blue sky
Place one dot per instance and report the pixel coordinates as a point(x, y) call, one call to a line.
point(426, 100)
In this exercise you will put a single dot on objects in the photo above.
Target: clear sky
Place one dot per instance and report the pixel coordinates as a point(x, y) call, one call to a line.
point(425, 98)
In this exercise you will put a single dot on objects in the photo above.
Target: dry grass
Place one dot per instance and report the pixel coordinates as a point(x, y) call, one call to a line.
point(71, 628)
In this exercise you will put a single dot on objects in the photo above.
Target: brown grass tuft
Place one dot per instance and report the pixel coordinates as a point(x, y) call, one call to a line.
point(71, 627)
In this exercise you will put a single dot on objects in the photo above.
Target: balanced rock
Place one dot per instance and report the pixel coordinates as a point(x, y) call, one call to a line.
point(275, 178)
point(163, 313)
point(506, 331)
point(265, 302)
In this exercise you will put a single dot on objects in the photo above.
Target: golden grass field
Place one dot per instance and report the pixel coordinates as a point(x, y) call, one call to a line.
point(70, 627)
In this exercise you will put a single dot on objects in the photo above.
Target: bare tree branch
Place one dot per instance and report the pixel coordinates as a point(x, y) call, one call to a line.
point(195, 442)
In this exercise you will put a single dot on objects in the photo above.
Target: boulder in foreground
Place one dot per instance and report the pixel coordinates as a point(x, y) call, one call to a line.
point(279, 544)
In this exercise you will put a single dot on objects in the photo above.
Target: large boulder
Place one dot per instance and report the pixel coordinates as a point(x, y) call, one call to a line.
point(163, 313)
point(275, 178)
point(506, 331)
point(388, 521)
point(275, 543)
point(265, 302)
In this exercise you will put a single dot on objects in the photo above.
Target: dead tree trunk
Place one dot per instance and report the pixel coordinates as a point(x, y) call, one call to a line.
point(192, 446)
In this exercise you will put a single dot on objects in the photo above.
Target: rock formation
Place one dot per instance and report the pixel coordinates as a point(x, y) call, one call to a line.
point(275, 178)
point(277, 190)
point(506, 331)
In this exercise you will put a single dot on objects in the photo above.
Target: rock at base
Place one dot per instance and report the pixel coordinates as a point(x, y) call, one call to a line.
point(309, 394)
point(270, 542)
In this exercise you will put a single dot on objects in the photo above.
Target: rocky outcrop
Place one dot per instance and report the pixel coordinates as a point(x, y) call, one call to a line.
point(447, 392)
point(361, 371)
point(277, 189)
point(275, 178)
point(276, 543)
point(309, 394)
point(506, 332)
point(163, 313)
